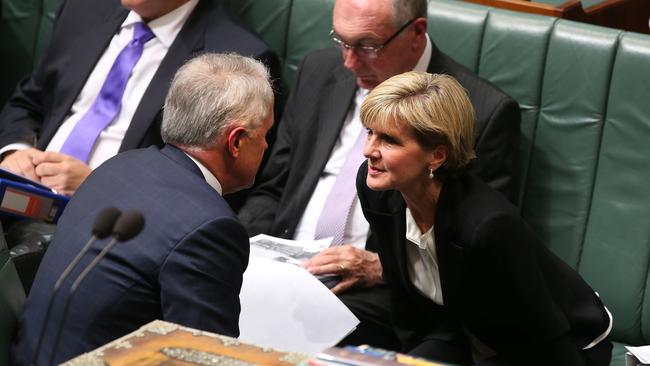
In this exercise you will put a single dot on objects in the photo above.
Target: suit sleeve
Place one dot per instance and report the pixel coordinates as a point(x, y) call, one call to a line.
point(497, 149)
point(201, 279)
point(258, 213)
point(22, 116)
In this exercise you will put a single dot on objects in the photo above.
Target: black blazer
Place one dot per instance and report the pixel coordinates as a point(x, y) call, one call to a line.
point(498, 280)
point(186, 265)
point(82, 31)
point(312, 121)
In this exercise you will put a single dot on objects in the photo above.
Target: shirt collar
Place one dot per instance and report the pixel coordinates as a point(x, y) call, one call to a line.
point(166, 27)
point(209, 177)
point(425, 59)
point(414, 235)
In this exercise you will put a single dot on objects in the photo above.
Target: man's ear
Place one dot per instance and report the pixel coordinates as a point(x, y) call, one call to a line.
point(420, 26)
point(235, 137)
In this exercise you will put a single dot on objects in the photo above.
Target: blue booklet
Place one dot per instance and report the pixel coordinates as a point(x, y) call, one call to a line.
point(21, 197)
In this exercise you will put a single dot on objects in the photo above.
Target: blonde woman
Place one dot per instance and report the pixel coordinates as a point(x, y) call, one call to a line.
point(470, 282)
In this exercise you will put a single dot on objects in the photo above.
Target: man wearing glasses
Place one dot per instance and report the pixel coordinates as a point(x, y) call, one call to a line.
point(304, 191)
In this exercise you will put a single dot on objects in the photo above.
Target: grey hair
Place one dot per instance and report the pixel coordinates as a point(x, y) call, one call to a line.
point(211, 93)
point(405, 10)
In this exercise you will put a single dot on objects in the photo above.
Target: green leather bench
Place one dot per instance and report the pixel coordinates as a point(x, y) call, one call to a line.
point(585, 150)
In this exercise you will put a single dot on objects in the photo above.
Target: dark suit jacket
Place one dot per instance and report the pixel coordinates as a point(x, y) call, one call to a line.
point(83, 30)
point(311, 125)
point(498, 280)
point(186, 266)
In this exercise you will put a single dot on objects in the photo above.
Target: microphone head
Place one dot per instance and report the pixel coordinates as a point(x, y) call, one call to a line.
point(128, 225)
point(105, 221)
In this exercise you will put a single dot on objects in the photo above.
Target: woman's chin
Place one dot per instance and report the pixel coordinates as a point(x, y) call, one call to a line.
point(376, 184)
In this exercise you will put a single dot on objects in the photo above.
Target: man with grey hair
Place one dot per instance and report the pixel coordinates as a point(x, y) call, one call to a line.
point(186, 265)
point(311, 169)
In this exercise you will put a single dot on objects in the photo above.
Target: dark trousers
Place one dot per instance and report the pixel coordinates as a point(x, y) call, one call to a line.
point(372, 307)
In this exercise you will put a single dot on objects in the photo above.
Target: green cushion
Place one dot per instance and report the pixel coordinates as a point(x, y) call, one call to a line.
point(616, 252)
point(562, 166)
point(513, 57)
point(270, 19)
point(618, 354)
point(12, 298)
point(18, 30)
point(309, 27)
point(457, 29)
point(46, 22)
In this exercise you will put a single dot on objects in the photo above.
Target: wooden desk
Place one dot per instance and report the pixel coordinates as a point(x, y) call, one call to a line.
point(629, 15)
point(162, 343)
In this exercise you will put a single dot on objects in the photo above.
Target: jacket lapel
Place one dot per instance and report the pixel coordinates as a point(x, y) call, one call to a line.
point(334, 107)
point(449, 252)
point(94, 43)
point(190, 40)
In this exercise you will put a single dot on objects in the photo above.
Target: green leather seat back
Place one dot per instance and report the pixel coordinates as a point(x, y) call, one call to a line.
point(458, 36)
point(25, 27)
point(270, 19)
point(19, 21)
point(513, 57)
point(309, 27)
point(46, 22)
point(12, 298)
point(616, 253)
point(564, 159)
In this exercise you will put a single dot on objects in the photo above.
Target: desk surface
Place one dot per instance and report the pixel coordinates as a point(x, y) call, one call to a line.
point(164, 343)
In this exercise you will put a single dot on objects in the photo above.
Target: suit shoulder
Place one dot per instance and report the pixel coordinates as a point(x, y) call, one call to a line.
point(323, 60)
point(476, 203)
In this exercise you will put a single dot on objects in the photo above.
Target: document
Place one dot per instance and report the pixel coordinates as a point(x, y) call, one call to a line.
point(283, 306)
point(285, 250)
point(292, 252)
point(641, 353)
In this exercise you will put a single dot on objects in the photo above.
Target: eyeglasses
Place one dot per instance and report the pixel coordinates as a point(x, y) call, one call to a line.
point(367, 51)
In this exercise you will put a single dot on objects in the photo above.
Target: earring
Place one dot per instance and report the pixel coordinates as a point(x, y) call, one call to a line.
point(431, 175)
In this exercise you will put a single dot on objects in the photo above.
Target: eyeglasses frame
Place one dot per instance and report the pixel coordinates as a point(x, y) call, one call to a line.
point(368, 51)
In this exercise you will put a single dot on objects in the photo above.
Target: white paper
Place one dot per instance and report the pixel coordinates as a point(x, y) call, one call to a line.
point(642, 353)
point(285, 250)
point(283, 306)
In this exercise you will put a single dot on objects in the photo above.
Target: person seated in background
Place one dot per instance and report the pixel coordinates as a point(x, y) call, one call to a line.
point(470, 282)
point(102, 81)
point(306, 191)
point(187, 264)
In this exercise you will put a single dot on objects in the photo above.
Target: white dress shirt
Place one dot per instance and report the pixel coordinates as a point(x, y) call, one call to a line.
point(422, 260)
point(207, 174)
point(356, 230)
point(165, 29)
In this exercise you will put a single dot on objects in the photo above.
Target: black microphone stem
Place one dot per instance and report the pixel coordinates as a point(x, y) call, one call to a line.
point(74, 286)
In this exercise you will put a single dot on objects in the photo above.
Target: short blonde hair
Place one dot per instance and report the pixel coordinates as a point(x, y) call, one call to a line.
point(435, 106)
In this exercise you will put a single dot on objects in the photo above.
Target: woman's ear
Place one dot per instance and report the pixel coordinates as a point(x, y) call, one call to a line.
point(438, 157)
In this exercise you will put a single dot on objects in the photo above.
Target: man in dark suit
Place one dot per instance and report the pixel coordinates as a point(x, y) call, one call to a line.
point(375, 43)
point(86, 40)
point(187, 264)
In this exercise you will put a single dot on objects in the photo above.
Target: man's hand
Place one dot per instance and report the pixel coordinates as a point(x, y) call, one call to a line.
point(357, 267)
point(61, 172)
point(22, 162)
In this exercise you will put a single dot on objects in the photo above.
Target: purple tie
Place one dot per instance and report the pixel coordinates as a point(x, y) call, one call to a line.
point(334, 217)
point(107, 105)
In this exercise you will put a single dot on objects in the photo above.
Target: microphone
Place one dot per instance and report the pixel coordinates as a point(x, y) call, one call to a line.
point(102, 228)
point(126, 227)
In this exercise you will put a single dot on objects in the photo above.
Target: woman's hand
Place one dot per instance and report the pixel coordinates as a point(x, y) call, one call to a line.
point(357, 267)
